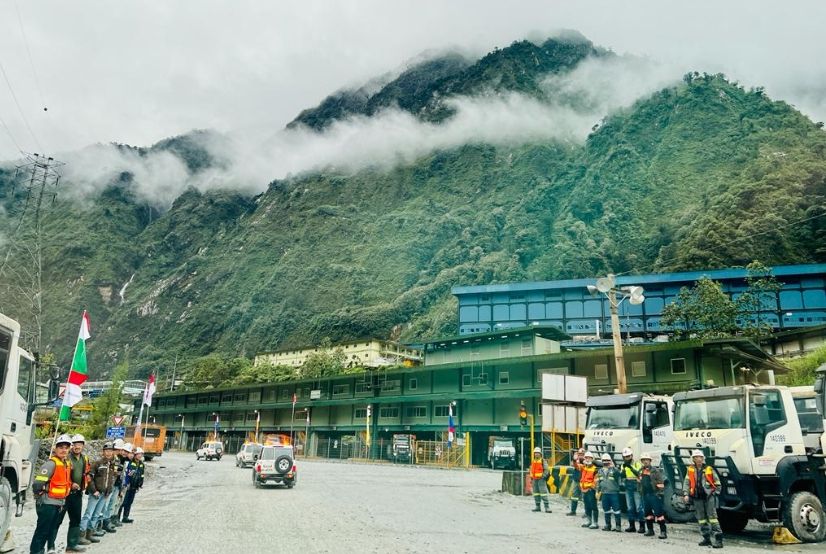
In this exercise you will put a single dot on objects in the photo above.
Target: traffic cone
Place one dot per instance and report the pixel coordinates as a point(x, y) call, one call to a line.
point(782, 535)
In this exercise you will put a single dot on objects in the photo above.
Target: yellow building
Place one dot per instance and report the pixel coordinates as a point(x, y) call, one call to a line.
point(364, 353)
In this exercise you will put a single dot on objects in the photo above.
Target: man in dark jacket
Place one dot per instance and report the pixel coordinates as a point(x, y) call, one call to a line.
point(99, 490)
point(652, 488)
point(133, 481)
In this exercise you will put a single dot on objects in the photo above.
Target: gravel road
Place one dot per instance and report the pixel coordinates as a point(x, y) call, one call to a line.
point(190, 506)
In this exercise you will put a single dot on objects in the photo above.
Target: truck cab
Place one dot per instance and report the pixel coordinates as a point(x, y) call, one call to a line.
point(638, 421)
point(753, 438)
point(18, 449)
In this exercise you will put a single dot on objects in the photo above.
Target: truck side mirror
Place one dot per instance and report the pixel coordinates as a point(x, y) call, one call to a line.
point(820, 389)
point(54, 389)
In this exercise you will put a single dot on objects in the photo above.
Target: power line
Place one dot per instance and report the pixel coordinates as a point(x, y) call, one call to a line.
point(31, 59)
point(19, 108)
point(11, 136)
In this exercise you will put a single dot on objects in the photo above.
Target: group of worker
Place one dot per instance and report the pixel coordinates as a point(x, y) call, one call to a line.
point(644, 486)
point(109, 484)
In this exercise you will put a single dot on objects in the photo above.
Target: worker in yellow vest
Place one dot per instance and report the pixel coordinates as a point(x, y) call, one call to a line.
point(51, 487)
point(539, 480)
point(702, 486)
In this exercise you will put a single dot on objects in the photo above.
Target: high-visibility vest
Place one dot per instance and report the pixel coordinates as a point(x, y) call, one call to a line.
point(60, 485)
point(629, 469)
point(537, 469)
point(588, 477)
point(692, 479)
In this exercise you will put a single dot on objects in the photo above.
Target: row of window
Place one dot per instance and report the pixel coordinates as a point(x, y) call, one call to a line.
point(392, 412)
point(638, 368)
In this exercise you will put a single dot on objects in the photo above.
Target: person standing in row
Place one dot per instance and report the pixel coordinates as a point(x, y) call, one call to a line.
point(102, 476)
point(74, 502)
point(575, 476)
point(133, 480)
point(703, 486)
point(651, 487)
point(539, 480)
point(608, 486)
point(630, 473)
point(110, 512)
point(51, 487)
point(588, 485)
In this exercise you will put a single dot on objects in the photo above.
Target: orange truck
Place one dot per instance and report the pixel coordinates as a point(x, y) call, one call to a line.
point(150, 437)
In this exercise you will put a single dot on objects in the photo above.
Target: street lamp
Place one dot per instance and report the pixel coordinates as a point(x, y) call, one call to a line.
point(181, 440)
point(634, 294)
point(257, 421)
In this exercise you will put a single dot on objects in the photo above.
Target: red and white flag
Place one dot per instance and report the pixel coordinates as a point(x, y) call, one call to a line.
point(149, 390)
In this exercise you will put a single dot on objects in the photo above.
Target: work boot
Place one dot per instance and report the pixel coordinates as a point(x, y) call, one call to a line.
point(641, 530)
point(705, 542)
point(649, 525)
point(594, 525)
point(51, 550)
point(571, 514)
point(718, 541)
point(108, 527)
point(548, 510)
point(618, 526)
point(72, 540)
point(587, 521)
point(81, 537)
point(127, 520)
point(632, 528)
point(663, 534)
point(90, 536)
point(537, 509)
point(116, 521)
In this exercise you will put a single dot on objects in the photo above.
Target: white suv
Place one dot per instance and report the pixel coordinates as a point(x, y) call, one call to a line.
point(248, 454)
point(275, 466)
point(210, 450)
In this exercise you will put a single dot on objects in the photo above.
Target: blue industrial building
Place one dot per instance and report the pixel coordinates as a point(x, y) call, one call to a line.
point(567, 305)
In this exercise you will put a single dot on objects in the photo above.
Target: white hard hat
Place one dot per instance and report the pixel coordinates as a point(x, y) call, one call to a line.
point(588, 455)
point(645, 456)
point(627, 452)
point(127, 447)
point(537, 450)
point(606, 457)
point(119, 444)
point(63, 439)
point(139, 450)
point(78, 438)
point(698, 453)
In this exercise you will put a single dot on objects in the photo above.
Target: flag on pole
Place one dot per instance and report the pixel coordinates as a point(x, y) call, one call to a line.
point(217, 425)
point(149, 390)
point(77, 373)
point(294, 399)
point(451, 430)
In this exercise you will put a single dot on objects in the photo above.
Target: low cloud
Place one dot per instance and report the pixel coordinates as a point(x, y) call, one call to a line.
point(573, 104)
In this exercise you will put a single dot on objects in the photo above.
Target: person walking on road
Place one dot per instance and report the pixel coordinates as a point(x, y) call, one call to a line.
point(629, 473)
point(588, 486)
point(133, 480)
point(51, 487)
point(702, 485)
point(651, 486)
point(102, 476)
point(539, 480)
point(608, 486)
point(576, 494)
point(74, 502)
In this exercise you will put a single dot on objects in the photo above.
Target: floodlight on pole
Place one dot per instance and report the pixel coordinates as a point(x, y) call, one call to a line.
point(635, 295)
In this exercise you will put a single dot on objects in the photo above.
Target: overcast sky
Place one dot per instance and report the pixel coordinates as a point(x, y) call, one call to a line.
point(137, 72)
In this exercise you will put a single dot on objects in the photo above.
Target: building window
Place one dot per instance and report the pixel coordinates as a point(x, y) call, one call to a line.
point(466, 379)
point(202, 400)
point(340, 389)
point(440, 411)
point(272, 394)
point(504, 348)
point(638, 369)
point(255, 396)
point(601, 371)
point(474, 349)
point(416, 411)
point(413, 384)
point(504, 378)
point(240, 397)
point(363, 386)
point(395, 384)
point(483, 378)
point(214, 398)
point(389, 412)
point(678, 366)
point(252, 417)
point(360, 413)
point(527, 347)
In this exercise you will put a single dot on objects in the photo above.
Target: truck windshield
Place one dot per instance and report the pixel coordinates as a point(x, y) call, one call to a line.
point(502, 444)
point(614, 417)
point(710, 413)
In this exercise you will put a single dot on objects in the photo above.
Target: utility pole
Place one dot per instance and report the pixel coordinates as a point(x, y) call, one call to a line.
point(22, 265)
point(619, 359)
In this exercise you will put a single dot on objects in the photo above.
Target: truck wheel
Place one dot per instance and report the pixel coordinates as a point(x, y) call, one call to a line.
point(283, 464)
point(804, 517)
point(732, 522)
point(6, 507)
point(676, 510)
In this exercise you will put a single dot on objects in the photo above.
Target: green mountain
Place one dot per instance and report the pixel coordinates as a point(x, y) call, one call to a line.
point(701, 174)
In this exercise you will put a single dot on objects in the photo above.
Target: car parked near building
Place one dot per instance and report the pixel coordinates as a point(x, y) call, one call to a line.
point(248, 454)
point(210, 450)
point(275, 466)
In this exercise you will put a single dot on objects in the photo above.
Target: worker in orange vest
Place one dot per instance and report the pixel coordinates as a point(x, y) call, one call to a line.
point(539, 480)
point(588, 487)
point(51, 487)
point(702, 487)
